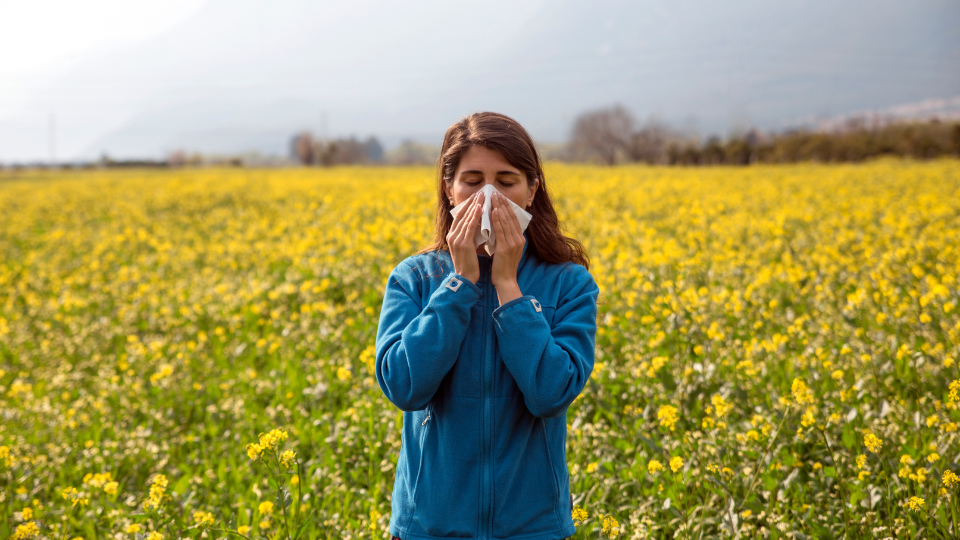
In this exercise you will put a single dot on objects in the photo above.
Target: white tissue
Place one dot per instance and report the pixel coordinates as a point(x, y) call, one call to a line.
point(485, 234)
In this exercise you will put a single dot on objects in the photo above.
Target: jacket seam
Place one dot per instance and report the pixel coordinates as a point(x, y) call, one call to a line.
point(553, 474)
point(416, 487)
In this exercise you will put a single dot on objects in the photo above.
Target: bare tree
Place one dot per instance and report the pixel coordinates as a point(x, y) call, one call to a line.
point(411, 152)
point(650, 143)
point(605, 133)
point(303, 148)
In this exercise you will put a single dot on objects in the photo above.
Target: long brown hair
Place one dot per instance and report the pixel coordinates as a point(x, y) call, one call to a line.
point(498, 132)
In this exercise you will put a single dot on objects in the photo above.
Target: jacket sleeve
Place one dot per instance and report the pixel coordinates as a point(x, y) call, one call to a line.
point(417, 345)
point(550, 365)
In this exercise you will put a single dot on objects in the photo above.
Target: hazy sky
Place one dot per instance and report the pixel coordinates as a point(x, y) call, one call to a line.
point(139, 79)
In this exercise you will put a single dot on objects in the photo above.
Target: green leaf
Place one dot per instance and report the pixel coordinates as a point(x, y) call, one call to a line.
point(830, 472)
point(769, 482)
point(653, 446)
point(303, 524)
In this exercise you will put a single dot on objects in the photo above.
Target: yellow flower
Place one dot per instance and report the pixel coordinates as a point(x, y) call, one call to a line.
point(676, 463)
point(863, 474)
point(872, 442)
point(294, 480)
point(133, 528)
point(266, 507)
point(157, 491)
point(667, 415)
point(915, 503)
point(343, 374)
point(861, 461)
point(800, 392)
point(26, 530)
point(265, 524)
point(950, 479)
point(253, 450)
point(26, 514)
point(579, 514)
point(933, 457)
point(287, 457)
point(653, 466)
point(954, 390)
point(203, 518)
point(611, 527)
point(243, 529)
point(154, 535)
point(269, 441)
point(591, 467)
point(110, 488)
point(720, 405)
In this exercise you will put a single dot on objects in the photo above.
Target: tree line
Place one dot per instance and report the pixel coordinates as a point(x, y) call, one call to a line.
point(611, 136)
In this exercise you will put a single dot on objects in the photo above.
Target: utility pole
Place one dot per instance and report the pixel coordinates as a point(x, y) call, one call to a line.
point(52, 136)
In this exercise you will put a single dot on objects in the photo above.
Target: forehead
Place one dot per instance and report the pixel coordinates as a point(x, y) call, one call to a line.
point(480, 158)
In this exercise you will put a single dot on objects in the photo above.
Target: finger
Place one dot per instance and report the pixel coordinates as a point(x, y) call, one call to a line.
point(495, 223)
point(477, 213)
point(465, 224)
point(513, 222)
point(462, 215)
point(505, 225)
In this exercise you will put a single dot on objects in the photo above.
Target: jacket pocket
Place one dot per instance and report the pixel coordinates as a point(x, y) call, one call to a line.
point(527, 495)
point(445, 501)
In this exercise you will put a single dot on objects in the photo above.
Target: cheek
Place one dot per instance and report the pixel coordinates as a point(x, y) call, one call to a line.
point(462, 192)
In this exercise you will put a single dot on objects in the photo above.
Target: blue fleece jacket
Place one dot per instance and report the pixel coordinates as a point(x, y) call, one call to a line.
point(484, 389)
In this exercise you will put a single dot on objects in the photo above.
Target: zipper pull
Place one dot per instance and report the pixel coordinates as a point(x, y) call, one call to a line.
point(425, 420)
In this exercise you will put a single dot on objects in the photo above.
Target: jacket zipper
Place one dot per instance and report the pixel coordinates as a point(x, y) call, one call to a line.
point(487, 419)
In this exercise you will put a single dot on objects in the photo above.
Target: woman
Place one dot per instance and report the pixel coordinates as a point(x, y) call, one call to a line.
point(484, 353)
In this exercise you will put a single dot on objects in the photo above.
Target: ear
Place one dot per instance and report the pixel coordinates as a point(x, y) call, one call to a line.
point(533, 192)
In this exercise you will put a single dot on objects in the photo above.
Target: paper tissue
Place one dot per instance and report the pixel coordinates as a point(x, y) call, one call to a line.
point(485, 234)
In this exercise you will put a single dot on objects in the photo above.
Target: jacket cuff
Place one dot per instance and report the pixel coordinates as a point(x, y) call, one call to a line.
point(458, 290)
point(525, 310)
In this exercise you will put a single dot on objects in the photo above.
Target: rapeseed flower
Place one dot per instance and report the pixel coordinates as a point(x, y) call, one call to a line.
point(203, 518)
point(667, 415)
point(872, 442)
point(287, 458)
point(801, 393)
point(579, 514)
point(26, 530)
point(611, 527)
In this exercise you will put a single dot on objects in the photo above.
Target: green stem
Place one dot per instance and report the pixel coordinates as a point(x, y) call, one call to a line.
point(843, 487)
point(279, 476)
point(230, 532)
point(299, 495)
point(946, 534)
point(888, 498)
point(953, 511)
point(756, 473)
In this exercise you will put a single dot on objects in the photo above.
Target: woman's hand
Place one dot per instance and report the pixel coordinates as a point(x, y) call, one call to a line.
point(460, 239)
point(509, 242)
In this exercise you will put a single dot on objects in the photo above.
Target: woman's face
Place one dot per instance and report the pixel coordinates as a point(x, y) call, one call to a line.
point(479, 166)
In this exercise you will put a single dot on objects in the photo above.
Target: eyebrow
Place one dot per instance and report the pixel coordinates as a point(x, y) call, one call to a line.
point(498, 172)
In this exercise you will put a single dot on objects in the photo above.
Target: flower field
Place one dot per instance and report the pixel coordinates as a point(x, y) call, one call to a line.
point(190, 352)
